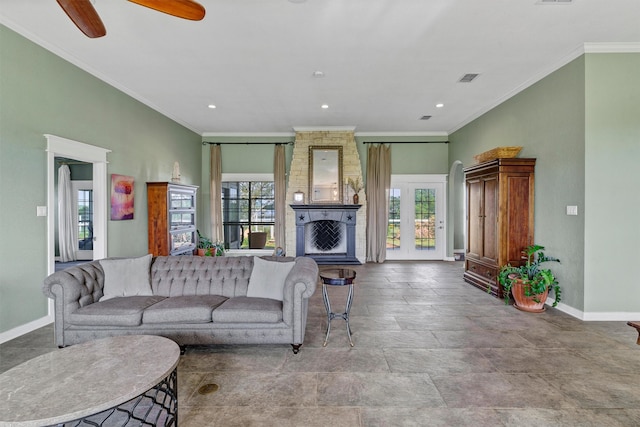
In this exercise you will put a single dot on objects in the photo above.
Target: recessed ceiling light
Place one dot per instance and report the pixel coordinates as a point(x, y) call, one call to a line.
point(318, 74)
point(324, 106)
point(439, 105)
point(211, 106)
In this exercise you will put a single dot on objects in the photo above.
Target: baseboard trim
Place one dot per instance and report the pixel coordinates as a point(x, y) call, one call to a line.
point(596, 316)
point(24, 329)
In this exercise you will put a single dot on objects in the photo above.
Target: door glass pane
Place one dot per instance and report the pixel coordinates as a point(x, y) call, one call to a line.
point(85, 220)
point(393, 228)
point(425, 219)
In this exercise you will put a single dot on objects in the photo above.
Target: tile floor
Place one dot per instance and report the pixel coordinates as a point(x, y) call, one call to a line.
point(430, 350)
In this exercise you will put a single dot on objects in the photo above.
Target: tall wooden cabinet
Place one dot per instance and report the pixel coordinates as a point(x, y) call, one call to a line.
point(172, 218)
point(499, 218)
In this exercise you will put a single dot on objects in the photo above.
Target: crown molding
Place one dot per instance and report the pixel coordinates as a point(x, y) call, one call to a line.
point(621, 47)
point(628, 47)
point(324, 128)
point(83, 66)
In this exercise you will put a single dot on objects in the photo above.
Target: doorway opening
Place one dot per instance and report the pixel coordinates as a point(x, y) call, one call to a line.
point(74, 151)
point(417, 213)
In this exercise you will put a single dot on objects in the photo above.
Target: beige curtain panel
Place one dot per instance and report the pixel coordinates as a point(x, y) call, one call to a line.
point(215, 193)
point(279, 179)
point(377, 192)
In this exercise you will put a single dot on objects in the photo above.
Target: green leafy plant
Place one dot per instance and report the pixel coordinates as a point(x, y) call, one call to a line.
point(210, 247)
point(204, 242)
point(535, 279)
point(217, 249)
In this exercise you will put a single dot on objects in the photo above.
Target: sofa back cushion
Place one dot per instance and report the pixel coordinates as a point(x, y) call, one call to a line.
point(195, 275)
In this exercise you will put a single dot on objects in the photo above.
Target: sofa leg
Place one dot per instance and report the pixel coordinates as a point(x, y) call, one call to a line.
point(296, 348)
point(183, 349)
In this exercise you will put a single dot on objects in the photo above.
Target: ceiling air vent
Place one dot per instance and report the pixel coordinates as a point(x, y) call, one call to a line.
point(468, 78)
point(425, 117)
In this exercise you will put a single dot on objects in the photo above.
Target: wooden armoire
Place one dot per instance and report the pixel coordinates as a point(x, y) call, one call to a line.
point(500, 196)
point(171, 218)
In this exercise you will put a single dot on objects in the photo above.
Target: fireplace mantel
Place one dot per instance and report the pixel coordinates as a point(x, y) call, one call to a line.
point(344, 215)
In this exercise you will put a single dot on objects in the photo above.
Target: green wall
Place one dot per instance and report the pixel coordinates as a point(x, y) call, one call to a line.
point(42, 93)
point(412, 157)
point(547, 120)
point(581, 123)
point(612, 142)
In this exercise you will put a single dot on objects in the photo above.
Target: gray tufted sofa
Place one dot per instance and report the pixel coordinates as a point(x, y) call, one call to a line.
point(196, 300)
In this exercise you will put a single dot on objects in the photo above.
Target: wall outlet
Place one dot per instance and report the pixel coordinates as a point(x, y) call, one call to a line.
point(41, 211)
point(572, 210)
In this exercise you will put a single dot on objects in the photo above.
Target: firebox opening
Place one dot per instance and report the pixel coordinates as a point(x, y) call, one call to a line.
point(325, 237)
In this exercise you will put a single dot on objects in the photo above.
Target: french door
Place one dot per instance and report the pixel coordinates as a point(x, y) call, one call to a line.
point(416, 227)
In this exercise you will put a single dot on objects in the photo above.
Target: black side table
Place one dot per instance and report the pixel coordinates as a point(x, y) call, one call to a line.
point(337, 277)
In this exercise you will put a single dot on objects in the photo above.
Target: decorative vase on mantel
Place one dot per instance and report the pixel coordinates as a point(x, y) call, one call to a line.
point(356, 199)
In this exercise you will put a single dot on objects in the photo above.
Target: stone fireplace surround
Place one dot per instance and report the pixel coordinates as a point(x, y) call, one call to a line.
point(298, 180)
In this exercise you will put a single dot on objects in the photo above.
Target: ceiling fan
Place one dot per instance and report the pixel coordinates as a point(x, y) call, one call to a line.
point(88, 21)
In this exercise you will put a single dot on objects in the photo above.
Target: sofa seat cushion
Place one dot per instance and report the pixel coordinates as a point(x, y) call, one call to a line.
point(119, 311)
point(183, 309)
point(248, 309)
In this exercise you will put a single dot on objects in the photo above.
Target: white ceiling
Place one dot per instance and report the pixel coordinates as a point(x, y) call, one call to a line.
point(386, 62)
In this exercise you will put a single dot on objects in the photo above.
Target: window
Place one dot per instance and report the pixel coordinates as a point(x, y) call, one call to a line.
point(248, 214)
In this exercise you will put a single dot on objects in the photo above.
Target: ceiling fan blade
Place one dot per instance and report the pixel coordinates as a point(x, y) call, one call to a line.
point(187, 9)
point(82, 13)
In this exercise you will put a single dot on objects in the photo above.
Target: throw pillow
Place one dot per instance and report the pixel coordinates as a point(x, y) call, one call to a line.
point(267, 278)
point(126, 277)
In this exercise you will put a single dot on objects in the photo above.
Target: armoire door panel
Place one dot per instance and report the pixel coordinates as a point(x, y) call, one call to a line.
point(474, 220)
point(490, 219)
point(518, 232)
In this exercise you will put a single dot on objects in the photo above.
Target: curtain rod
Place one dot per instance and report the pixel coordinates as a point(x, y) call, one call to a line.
point(246, 143)
point(405, 142)
point(67, 162)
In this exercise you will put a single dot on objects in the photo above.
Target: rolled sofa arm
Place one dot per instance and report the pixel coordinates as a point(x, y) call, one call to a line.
point(304, 271)
point(71, 289)
point(82, 284)
point(298, 288)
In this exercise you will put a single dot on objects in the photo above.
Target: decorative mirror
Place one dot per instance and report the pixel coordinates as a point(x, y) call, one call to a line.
point(325, 174)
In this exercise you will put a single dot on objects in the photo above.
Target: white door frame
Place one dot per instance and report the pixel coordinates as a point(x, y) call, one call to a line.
point(438, 181)
point(62, 147)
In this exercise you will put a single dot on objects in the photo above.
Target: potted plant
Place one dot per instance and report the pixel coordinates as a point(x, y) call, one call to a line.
point(204, 244)
point(529, 283)
point(217, 249)
point(356, 186)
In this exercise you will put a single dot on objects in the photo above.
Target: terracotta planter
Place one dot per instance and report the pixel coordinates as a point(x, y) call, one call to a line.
point(257, 239)
point(525, 303)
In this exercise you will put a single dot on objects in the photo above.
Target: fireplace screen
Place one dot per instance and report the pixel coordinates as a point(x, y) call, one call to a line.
point(326, 237)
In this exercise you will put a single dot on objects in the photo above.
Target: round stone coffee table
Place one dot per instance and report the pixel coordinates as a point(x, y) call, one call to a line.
point(111, 381)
